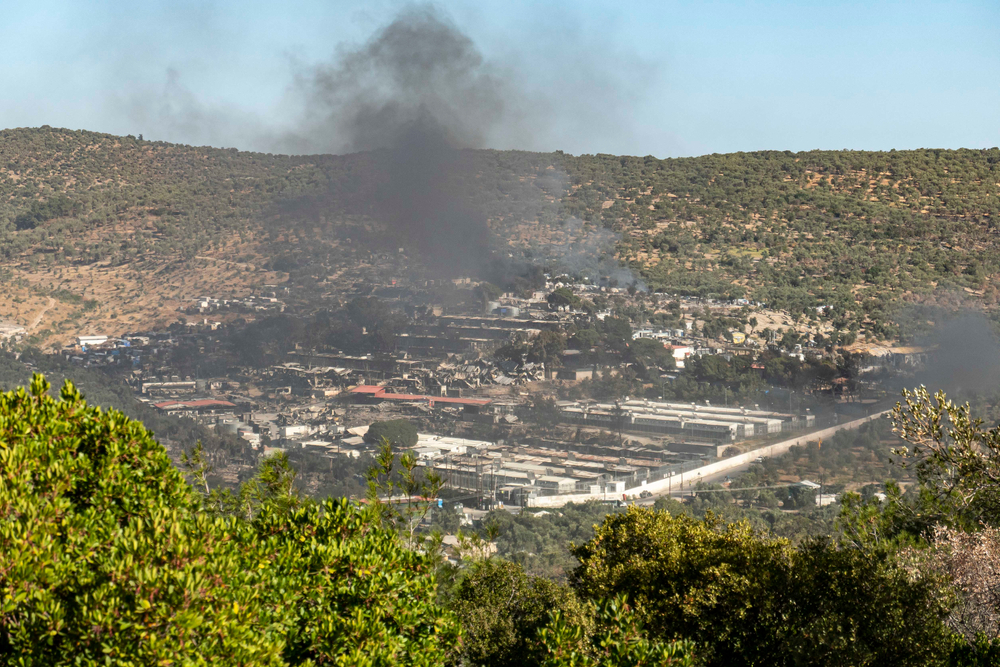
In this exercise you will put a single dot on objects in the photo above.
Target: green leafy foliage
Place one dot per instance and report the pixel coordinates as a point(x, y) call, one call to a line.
point(502, 610)
point(540, 542)
point(956, 459)
point(563, 296)
point(617, 641)
point(749, 599)
point(399, 433)
point(107, 555)
point(982, 652)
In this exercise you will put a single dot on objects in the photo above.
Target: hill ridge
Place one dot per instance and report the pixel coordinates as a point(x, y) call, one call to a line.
point(860, 230)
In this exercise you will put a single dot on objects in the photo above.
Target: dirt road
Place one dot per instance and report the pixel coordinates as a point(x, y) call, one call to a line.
point(38, 318)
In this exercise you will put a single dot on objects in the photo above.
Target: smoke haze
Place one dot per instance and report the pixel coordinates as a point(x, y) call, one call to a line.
point(419, 74)
point(590, 253)
point(417, 93)
point(964, 357)
point(558, 87)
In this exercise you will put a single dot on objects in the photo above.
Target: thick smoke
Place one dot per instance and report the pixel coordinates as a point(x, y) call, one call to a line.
point(964, 356)
point(417, 93)
point(419, 74)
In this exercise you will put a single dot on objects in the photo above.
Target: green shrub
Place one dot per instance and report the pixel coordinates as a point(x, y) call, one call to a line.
point(106, 557)
point(746, 599)
point(502, 609)
point(399, 432)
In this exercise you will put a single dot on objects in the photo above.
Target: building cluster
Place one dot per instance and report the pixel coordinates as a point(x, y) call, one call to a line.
point(516, 473)
point(253, 303)
point(447, 374)
point(441, 334)
point(443, 375)
point(11, 333)
point(705, 423)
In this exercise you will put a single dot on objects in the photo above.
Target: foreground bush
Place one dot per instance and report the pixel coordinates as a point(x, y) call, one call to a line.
point(752, 600)
point(616, 640)
point(502, 610)
point(105, 558)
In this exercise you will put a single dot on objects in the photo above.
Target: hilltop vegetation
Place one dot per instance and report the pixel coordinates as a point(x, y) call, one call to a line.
point(859, 231)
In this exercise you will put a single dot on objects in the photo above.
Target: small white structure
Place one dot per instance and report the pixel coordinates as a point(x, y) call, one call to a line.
point(614, 487)
point(295, 430)
point(448, 445)
point(9, 330)
point(251, 437)
point(559, 484)
point(85, 341)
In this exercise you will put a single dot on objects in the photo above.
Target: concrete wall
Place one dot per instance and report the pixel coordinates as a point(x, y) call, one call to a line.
point(719, 467)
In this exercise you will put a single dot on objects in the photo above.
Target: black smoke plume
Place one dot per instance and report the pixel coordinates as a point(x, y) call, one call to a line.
point(417, 93)
point(964, 356)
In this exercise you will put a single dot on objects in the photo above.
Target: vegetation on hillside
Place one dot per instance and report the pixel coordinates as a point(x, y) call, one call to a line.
point(400, 432)
point(782, 224)
point(856, 231)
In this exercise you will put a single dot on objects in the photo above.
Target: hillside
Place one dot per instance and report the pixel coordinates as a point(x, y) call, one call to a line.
point(109, 233)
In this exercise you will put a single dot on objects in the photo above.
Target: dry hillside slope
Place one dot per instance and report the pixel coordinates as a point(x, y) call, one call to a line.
point(107, 233)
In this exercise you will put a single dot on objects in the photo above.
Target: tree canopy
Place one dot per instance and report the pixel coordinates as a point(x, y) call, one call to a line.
point(753, 600)
point(399, 432)
point(108, 554)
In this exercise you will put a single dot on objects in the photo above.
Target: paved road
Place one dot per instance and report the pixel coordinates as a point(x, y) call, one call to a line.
point(713, 472)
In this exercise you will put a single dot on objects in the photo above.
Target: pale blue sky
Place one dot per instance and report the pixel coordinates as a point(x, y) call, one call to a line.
point(660, 78)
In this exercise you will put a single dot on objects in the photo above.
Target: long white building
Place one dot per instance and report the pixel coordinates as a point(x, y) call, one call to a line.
point(685, 420)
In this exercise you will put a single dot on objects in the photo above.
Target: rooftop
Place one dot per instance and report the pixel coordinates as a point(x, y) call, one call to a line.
point(202, 403)
point(380, 392)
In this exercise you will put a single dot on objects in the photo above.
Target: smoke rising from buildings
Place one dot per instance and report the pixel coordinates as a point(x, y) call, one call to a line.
point(578, 248)
point(418, 75)
point(417, 93)
point(590, 254)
